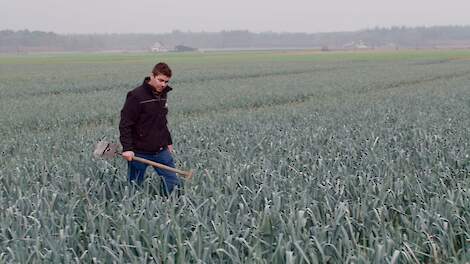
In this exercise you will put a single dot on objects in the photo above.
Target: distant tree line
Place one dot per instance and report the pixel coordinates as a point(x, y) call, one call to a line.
point(394, 37)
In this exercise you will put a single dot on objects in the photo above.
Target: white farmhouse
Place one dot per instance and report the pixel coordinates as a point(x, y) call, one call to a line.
point(159, 47)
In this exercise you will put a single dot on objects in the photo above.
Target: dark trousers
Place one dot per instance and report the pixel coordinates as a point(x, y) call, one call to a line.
point(136, 170)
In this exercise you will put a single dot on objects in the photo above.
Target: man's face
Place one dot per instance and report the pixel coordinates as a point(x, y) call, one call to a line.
point(159, 82)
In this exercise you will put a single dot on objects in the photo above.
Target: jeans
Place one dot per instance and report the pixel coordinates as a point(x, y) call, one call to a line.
point(136, 170)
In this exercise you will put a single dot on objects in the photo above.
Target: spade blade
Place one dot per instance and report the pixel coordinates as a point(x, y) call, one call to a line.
point(105, 150)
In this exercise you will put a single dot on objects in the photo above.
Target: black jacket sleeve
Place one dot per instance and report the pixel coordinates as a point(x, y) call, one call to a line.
point(170, 140)
point(129, 116)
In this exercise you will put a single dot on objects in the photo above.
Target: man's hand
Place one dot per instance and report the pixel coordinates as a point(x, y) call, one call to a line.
point(128, 155)
point(171, 149)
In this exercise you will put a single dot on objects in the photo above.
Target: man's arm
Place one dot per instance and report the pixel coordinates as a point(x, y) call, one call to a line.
point(129, 116)
point(171, 149)
point(128, 155)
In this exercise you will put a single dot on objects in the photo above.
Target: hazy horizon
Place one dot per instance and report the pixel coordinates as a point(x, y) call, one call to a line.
point(147, 16)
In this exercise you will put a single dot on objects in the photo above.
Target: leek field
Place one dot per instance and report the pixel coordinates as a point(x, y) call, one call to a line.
point(299, 157)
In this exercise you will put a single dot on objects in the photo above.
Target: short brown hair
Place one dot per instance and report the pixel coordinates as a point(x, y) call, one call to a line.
point(161, 68)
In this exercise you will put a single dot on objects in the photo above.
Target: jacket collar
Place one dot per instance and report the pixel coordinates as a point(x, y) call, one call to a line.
point(150, 88)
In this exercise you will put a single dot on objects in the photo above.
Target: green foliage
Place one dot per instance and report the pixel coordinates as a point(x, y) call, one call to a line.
point(297, 161)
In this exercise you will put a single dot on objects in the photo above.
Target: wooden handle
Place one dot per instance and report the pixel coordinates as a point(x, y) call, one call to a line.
point(187, 174)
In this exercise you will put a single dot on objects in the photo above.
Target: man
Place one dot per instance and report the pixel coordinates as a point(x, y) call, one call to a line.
point(143, 128)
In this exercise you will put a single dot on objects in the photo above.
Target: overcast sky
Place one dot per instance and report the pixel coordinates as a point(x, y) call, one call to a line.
point(158, 16)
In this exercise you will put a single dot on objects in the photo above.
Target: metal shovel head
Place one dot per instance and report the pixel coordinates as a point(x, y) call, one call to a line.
point(105, 150)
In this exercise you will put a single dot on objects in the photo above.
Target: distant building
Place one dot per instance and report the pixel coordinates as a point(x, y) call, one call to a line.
point(182, 48)
point(356, 45)
point(159, 47)
point(390, 46)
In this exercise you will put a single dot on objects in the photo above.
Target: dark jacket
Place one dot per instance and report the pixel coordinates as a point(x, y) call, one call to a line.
point(143, 125)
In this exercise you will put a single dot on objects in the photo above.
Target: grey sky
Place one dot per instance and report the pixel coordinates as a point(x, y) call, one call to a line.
point(157, 16)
